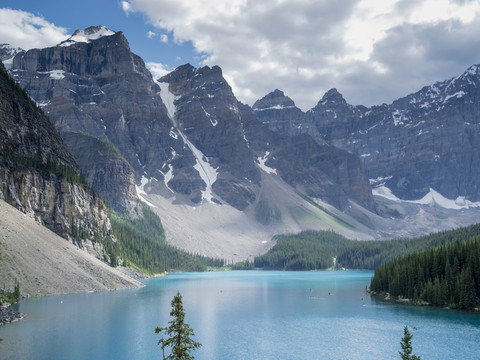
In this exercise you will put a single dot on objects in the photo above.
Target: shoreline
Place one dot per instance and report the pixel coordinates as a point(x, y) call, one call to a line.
point(385, 296)
point(8, 316)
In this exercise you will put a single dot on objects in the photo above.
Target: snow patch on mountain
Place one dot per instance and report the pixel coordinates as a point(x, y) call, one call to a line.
point(399, 118)
point(276, 107)
point(262, 161)
point(141, 191)
point(7, 53)
point(458, 94)
point(168, 176)
point(206, 171)
point(57, 74)
point(432, 198)
point(87, 35)
point(168, 99)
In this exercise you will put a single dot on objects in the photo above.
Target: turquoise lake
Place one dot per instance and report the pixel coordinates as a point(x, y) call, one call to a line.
point(240, 315)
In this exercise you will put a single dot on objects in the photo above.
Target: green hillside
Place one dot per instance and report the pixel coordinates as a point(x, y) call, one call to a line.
point(311, 250)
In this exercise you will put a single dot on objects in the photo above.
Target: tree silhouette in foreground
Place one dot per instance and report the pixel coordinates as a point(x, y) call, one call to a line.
point(406, 353)
point(178, 334)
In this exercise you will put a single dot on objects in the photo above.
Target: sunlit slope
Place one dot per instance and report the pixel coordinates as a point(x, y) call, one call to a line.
point(224, 232)
point(45, 263)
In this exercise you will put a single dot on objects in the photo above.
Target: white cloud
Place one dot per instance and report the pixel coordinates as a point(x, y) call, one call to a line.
point(158, 70)
point(372, 51)
point(126, 7)
point(164, 38)
point(22, 29)
point(151, 34)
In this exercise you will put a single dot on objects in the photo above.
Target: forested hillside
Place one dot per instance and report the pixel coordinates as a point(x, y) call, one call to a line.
point(141, 243)
point(448, 275)
point(312, 250)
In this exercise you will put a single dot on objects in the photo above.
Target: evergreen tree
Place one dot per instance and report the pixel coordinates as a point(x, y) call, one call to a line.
point(16, 291)
point(406, 353)
point(179, 334)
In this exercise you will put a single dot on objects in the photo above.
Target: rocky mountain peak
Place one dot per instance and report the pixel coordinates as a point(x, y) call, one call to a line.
point(95, 51)
point(205, 80)
point(274, 100)
point(332, 97)
point(87, 35)
point(207, 117)
point(7, 53)
point(473, 70)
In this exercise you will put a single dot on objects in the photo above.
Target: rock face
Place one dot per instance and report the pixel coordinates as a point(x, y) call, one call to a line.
point(93, 83)
point(207, 117)
point(185, 135)
point(38, 174)
point(238, 146)
point(427, 140)
point(280, 114)
point(105, 169)
point(7, 53)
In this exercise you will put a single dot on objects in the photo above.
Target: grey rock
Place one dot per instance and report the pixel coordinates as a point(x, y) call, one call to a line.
point(35, 167)
point(105, 169)
point(425, 140)
point(101, 88)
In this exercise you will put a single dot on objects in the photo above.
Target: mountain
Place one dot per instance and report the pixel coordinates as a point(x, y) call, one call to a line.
point(423, 143)
point(41, 184)
point(92, 83)
point(7, 53)
point(105, 169)
point(38, 173)
point(192, 146)
point(225, 177)
point(280, 113)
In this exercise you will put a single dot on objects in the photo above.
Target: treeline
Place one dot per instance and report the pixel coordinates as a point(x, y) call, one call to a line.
point(141, 243)
point(7, 297)
point(448, 275)
point(310, 250)
point(69, 172)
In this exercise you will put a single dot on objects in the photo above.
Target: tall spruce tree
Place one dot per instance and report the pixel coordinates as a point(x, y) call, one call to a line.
point(406, 344)
point(179, 334)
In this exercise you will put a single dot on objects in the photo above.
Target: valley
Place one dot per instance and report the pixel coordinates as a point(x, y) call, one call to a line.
point(225, 178)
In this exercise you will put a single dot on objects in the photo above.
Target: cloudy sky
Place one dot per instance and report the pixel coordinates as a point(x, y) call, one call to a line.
point(372, 51)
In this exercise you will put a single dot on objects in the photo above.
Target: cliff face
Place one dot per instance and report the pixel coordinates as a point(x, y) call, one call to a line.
point(101, 88)
point(105, 169)
point(207, 117)
point(423, 141)
point(65, 208)
point(38, 174)
point(185, 135)
point(238, 146)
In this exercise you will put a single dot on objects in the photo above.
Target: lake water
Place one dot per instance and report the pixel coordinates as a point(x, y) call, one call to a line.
point(240, 315)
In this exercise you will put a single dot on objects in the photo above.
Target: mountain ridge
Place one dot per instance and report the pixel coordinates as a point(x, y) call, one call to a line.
point(410, 145)
point(196, 150)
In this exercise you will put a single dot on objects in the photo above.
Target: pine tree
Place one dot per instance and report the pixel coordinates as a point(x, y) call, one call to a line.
point(406, 353)
point(179, 334)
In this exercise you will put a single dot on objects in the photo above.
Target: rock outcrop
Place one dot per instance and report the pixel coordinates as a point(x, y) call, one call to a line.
point(426, 140)
point(185, 135)
point(38, 174)
point(207, 118)
point(94, 84)
point(105, 169)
